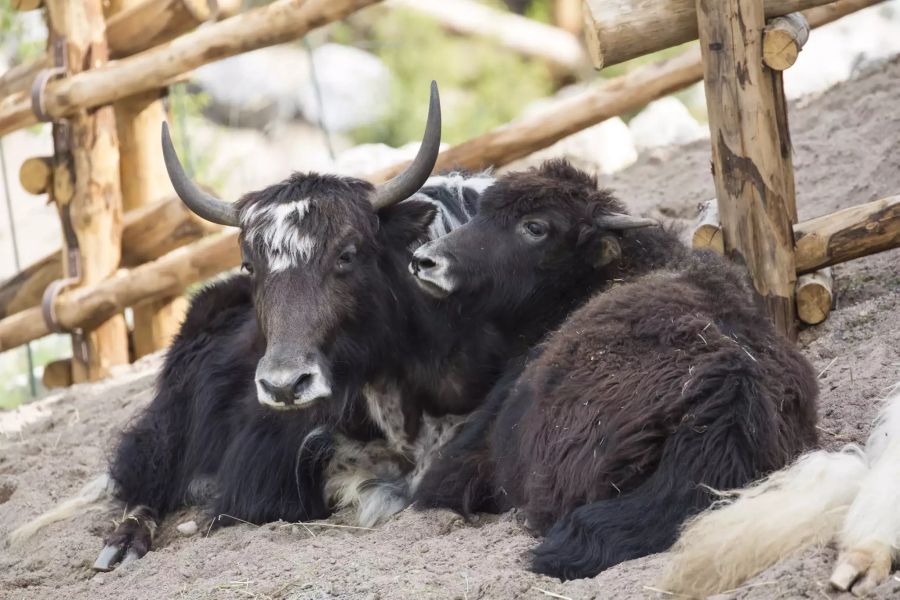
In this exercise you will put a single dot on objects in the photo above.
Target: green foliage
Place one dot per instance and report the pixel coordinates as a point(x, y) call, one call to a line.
point(482, 85)
point(12, 30)
point(540, 10)
point(14, 387)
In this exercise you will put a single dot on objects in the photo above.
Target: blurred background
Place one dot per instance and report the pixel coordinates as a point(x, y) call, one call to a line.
point(351, 98)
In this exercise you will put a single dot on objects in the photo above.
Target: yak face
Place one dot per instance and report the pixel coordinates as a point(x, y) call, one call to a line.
point(537, 232)
point(321, 260)
point(323, 253)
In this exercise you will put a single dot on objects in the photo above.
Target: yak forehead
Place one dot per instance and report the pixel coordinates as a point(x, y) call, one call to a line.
point(291, 223)
point(555, 186)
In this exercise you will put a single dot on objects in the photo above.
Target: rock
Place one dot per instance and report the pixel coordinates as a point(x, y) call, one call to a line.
point(188, 528)
point(271, 85)
point(604, 148)
point(665, 122)
point(367, 158)
point(355, 87)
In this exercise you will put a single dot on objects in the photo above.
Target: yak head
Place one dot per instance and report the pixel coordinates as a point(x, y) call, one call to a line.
point(537, 233)
point(323, 253)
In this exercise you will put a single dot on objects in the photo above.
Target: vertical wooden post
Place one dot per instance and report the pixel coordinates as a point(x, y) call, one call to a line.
point(144, 181)
point(86, 183)
point(751, 151)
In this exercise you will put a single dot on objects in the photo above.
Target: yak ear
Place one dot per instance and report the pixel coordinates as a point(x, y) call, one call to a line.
point(406, 222)
point(601, 248)
point(609, 251)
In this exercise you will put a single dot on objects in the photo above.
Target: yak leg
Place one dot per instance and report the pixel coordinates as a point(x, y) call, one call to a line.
point(130, 540)
point(368, 477)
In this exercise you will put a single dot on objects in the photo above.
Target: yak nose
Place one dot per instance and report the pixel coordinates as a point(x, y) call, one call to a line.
point(286, 389)
point(428, 261)
point(432, 270)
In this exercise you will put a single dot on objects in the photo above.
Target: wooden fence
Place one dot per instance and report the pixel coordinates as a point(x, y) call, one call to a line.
point(130, 243)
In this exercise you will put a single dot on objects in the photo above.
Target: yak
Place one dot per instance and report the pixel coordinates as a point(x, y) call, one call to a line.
point(665, 378)
point(318, 377)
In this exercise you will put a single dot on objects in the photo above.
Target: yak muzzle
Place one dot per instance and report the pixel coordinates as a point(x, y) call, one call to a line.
point(431, 268)
point(286, 388)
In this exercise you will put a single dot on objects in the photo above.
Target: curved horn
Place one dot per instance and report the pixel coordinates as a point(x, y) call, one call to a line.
point(202, 204)
point(620, 222)
point(412, 178)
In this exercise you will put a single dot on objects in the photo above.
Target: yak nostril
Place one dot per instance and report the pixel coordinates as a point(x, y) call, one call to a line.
point(302, 383)
point(283, 394)
point(425, 263)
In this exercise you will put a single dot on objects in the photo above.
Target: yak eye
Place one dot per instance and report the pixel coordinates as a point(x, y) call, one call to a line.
point(535, 229)
point(346, 258)
point(247, 267)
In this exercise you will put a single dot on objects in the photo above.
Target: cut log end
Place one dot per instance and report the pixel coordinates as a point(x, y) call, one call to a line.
point(36, 174)
point(783, 39)
point(815, 296)
point(708, 231)
point(58, 374)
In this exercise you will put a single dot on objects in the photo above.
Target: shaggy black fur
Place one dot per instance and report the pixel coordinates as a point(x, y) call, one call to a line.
point(205, 439)
point(673, 381)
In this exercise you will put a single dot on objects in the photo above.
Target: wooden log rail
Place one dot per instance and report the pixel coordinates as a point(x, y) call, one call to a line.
point(496, 148)
point(279, 22)
point(165, 277)
point(620, 30)
point(610, 98)
point(148, 24)
point(148, 233)
point(170, 274)
point(559, 49)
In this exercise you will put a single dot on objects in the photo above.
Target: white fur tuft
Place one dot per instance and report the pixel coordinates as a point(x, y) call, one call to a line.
point(870, 538)
point(93, 492)
point(792, 509)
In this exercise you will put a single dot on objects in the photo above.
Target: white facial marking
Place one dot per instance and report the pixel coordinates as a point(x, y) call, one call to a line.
point(433, 278)
point(276, 229)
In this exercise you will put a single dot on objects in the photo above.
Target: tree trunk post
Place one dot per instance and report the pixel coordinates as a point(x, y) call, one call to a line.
point(751, 151)
point(86, 184)
point(144, 182)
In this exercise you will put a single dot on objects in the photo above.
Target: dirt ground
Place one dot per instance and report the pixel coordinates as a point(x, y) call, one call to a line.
point(847, 148)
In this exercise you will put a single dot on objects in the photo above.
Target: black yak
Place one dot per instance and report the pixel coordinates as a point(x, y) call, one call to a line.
point(320, 376)
point(668, 381)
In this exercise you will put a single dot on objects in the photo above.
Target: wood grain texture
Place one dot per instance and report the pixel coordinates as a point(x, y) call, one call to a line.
point(86, 184)
point(619, 30)
point(146, 24)
point(783, 38)
point(279, 22)
point(167, 276)
point(815, 296)
point(847, 234)
point(751, 152)
point(143, 172)
point(566, 116)
point(148, 233)
point(708, 231)
point(36, 174)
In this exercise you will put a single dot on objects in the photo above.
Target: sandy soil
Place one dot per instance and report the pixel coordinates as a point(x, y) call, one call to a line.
point(847, 146)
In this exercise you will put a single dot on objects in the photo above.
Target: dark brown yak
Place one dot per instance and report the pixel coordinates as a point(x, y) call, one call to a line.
point(652, 391)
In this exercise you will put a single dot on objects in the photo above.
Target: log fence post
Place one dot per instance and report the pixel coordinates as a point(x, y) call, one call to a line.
point(85, 184)
point(751, 151)
point(144, 181)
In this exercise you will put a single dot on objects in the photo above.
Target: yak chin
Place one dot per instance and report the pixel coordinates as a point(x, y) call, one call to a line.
point(439, 287)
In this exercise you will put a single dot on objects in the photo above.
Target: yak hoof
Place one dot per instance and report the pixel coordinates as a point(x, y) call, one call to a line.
point(860, 570)
point(130, 541)
point(108, 557)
